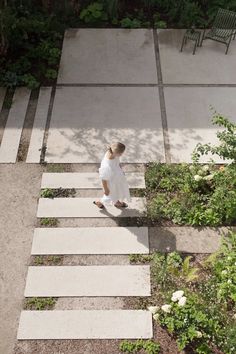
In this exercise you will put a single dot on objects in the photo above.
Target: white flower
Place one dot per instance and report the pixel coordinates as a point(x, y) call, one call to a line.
point(156, 316)
point(205, 167)
point(166, 308)
point(197, 178)
point(209, 177)
point(182, 301)
point(234, 316)
point(224, 272)
point(177, 295)
point(199, 334)
point(229, 281)
point(229, 258)
point(153, 309)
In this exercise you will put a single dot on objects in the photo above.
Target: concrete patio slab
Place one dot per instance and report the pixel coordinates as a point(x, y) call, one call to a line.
point(117, 56)
point(13, 129)
point(85, 119)
point(90, 240)
point(209, 65)
point(101, 280)
point(186, 239)
point(189, 117)
point(84, 324)
point(84, 208)
point(86, 180)
point(36, 140)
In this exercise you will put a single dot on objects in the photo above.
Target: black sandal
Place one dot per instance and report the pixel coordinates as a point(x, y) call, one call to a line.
point(100, 207)
point(124, 205)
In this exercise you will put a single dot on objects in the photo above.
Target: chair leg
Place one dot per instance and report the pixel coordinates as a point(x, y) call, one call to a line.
point(227, 48)
point(203, 37)
point(183, 42)
point(234, 35)
point(195, 46)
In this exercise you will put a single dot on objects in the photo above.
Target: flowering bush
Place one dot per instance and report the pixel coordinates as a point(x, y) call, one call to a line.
point(200, 315)
point(192, 194)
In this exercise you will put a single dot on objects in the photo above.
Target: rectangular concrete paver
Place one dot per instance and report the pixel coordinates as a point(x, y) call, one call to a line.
point(13, 129)
point(84, 208)
point(86, 180)
point(85, 324)
point(102, 280)
point(189, 117)
point(116, 56)
point(90, 240)
point(86, 119)
point(186, 239)
point(209, 65)
point(39, 125)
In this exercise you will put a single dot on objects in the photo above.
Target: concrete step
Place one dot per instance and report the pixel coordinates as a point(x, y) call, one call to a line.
point(85, 324)
point(85, 180)
point(84, 208)
point(105, 280)
point(90, 240)
point(14, 126)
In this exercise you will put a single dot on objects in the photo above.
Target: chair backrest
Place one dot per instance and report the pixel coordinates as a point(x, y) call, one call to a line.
point(225, 19)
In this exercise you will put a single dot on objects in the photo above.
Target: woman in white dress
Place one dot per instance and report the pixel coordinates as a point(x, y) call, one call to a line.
point(114, 182)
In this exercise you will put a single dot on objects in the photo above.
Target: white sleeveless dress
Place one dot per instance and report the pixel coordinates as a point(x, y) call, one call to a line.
point(116, 181)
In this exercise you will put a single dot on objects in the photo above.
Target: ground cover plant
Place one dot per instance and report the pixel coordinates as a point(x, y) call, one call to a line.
point(196, 194)
point(194, 298)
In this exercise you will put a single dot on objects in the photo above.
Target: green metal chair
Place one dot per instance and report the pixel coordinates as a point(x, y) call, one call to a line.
point(223, 28)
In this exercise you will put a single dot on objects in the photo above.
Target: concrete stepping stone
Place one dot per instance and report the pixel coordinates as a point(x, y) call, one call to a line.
point(104, 280)
point(84, 208)
point(86, 180)
point(85, 324)
point(90, 240)
point(13, 129)
point(36, 141)
point(2, 96)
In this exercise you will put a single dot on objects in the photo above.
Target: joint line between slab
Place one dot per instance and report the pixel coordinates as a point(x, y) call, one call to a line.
point(49, 115)
point(162, 99)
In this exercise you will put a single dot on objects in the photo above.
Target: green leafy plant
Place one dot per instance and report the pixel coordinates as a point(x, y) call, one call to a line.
point(40, 303)
point(227, 138)
point(130, 23)
point(47, 193)
point(95, 12)
point(52, 222)
point(149, 346)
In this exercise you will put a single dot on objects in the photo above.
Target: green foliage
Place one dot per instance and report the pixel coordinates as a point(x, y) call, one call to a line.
point(206, 316)
point(189, 323)
point(227, 138)
point(222, 265)
point(47, 193)
point(52, 222)
point(130, 23)
point(40, 303)
point(149, 346)
point(192, 195)
point(94, 13)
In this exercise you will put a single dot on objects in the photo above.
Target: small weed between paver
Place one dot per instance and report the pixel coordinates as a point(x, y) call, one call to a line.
point(49, 222)
point(57, 193)
point(40, 303)
point(47, 260)
point(56, 168)
point(137, 192)
point(140, 258)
